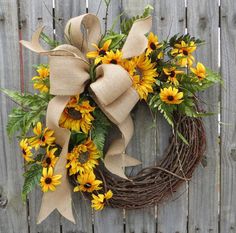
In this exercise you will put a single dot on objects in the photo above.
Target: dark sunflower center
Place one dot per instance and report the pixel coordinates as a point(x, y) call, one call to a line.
point(139, 72)
point(152, 46)
point(172, 74)
point(24, 152)
point(113, 61)
point(74, 114)
point(43, 139)
point(170, 98)
point(48, 160)
point(83, 157)
point(102, 52)
point(87, 185)
point(185, 52)
point(48, 180)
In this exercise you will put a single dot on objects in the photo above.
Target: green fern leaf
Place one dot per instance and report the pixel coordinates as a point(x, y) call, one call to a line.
point(100, 130)
point(32, 178)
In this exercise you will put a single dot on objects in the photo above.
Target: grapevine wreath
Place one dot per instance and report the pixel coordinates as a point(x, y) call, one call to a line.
point(91, 84)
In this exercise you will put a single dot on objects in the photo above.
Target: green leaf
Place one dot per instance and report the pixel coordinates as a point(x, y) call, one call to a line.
point(30, 110)
point(100, 129)
point(51, 42)
point(117, 40)
point(76, 139)
point(181, 136)
point(32, 178)
point(147, 11)
point(26, 99)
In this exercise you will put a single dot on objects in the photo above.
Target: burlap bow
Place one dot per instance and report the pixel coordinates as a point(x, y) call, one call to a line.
point(112, 91)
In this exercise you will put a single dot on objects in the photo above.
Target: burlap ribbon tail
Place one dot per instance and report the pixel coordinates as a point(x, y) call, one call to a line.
point(112, 91)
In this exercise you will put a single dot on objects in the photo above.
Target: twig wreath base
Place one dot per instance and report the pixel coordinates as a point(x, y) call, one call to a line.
point(154, 184)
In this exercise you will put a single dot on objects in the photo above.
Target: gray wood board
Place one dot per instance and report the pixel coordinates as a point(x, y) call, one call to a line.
point(203, 18)
point(169, 19)
point(228, 115)
point(38, 13)
point(13, 214)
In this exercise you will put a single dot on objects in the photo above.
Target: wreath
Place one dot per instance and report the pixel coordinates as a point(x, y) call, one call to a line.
point(90, 86)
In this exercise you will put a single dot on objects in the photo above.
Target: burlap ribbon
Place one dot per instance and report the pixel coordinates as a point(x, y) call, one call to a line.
point(112, 91)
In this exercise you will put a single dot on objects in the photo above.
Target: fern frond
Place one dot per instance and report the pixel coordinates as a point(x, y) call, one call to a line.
point(32, 178)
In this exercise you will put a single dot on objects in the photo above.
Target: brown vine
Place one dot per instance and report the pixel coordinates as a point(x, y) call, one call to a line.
point(154, 184)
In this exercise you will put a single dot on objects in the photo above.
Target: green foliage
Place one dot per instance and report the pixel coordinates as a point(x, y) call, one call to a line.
point(117, 40)
point(51, 42)
point(192, 84)
point(76, 139)
point(127, 23)
point(100, 129)
point(181, 136)
point(30, 110)
point(167, 110)
point(186, 38)
point(32, 178)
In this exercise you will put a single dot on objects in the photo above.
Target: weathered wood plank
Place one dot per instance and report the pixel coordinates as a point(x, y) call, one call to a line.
point(108, 220)
point(99, 8)
point(143, 143)
point(203, 16)
point(142, 147)
point(228, 135)
point(82, 210)
point(169, 19)
point(33, 15)
point(64, 10)
point(13, 214)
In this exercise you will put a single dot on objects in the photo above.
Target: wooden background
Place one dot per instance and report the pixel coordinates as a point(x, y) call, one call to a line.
point(207, 204)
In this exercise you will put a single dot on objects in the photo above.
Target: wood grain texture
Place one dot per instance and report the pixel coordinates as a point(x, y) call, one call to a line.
point(64, 10)
point(143, 143)
point(142, 147)
point(108, 220)
point(203, 18)
point(228, 113)
point(98, 8)
point(169, 19)
point(32, 16)
point(13, 214)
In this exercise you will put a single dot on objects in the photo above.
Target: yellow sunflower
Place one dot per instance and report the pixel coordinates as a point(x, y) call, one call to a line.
point(112, 57)
point(87, 182)
point(144, 75)
point(153, 43)
point(43, 137)
point(172, 73)
point(99, 52)
point(26, 150)
point(129, 66)
point(171, 95)
point(99, 200)
point(41, 82)
point(48, 181)
point(43, 71)
point(77, 115)
point(199, 71)
point(50, 159)
point(183, 52)
point(83, 158)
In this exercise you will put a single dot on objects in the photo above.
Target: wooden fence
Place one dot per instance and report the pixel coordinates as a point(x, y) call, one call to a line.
point(207, 204)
